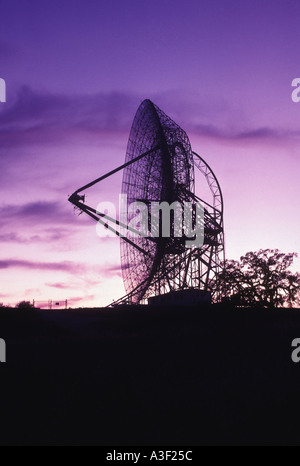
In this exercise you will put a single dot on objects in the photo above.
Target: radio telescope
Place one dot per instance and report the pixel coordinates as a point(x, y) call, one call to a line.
point(160, 169)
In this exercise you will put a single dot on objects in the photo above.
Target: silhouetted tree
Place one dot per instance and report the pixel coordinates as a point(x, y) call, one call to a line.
point(260, 278)
point(24, 306)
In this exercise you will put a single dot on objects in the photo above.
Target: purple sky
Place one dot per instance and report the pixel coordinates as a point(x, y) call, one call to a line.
point(76, 72)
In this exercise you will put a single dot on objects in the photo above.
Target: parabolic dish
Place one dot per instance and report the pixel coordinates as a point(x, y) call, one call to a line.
point(165, 174)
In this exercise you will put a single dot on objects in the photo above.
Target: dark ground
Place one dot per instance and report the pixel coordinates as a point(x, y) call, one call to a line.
point(212, 376)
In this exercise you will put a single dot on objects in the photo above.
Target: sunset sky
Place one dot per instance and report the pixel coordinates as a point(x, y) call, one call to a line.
point(76, 72)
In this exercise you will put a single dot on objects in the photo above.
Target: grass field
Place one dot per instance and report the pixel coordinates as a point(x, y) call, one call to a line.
point(211, 376)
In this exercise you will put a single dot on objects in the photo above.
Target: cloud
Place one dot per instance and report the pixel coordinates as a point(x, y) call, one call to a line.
point(47, 236)
point(217, 118)
point(40, 117)
point(35, 117)
point(60, 286)
point(83, 282)
point(41, 212)
point(258, 134)
point(78, 299)
point(65, 266)
point(265, 133)
point(12, 238)
point(112, 270)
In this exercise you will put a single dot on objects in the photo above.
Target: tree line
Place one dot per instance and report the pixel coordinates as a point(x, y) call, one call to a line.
point(261, 278)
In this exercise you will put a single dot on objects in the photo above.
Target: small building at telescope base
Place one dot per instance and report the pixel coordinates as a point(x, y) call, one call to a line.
point(188, 297)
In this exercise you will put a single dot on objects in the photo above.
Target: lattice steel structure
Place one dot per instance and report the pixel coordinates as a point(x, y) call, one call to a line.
point(160, 168)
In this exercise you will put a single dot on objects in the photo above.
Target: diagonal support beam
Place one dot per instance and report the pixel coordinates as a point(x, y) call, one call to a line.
point(116, 170)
